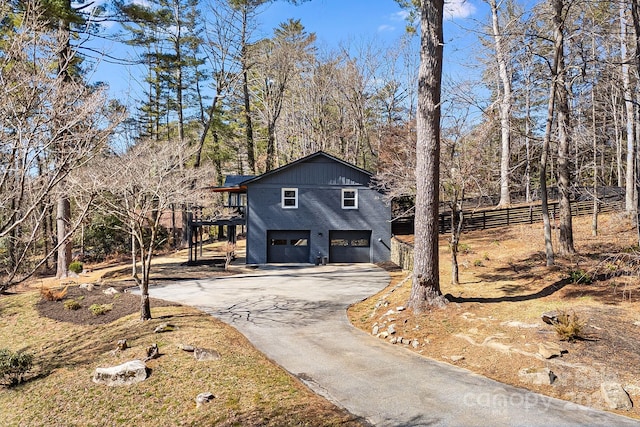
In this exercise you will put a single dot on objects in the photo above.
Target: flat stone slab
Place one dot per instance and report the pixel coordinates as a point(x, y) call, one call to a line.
point(537, 375)
point(615, 396)
point(131, 372)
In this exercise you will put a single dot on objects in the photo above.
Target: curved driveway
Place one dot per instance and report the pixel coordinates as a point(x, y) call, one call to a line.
point(297, 317)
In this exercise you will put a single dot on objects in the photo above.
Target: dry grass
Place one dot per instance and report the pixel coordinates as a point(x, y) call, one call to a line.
point(248, 388)
point(493, 324)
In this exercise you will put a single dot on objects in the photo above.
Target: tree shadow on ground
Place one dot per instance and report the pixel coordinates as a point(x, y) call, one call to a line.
point(544, 292)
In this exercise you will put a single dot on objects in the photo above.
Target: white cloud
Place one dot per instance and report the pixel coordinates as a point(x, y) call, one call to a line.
point(458, 9)
point(384, 28)
point(400, 16)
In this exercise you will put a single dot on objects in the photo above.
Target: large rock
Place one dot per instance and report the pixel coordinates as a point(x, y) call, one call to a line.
point(203, 398)
point(164, 327)
point(131, 372)
point(205, 354)
point(615, 397)
point(537, 375)
point(550, 317)
point(550, 349)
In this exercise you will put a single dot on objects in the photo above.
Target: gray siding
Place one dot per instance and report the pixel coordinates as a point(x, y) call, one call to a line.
point(320, 182)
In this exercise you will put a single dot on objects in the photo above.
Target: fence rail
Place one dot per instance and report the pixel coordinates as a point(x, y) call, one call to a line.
point(493, 218)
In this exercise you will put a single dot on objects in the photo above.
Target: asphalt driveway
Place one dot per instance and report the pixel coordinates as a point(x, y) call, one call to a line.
point(297, 317)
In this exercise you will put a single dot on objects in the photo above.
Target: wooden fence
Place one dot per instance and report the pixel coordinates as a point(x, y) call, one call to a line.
point(493, 218)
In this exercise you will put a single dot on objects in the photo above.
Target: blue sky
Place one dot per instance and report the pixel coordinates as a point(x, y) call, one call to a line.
point(336, 21)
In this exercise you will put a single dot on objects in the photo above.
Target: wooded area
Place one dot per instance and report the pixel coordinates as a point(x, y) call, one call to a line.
point(555, 104)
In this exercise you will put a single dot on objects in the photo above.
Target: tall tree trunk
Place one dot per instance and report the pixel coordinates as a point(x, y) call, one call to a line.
point(635, 13)
point(63, 217)
point(562, 98)
point(594, 217)
point(425, 291)
point(505, 107)
point(628, 104)
point(251, 160)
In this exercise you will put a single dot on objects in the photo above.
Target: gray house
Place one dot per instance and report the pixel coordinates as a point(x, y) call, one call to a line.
point(316, 208)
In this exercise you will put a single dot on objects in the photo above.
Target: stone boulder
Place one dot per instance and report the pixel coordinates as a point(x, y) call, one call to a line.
point(131, 372)
point(615, 396)
point(550, 349)
point(205, 354)
point(164, 327)
point(203, 398)
point(110, 291)
point(550, 317)
point(537, 375)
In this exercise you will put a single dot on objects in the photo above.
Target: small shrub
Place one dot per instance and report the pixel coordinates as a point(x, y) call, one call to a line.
point(478, 263)
point(53, 295)
point(71, 304)
point(569, 327)
point(580, 276)
point(464, 248)
point(100, 309)
point(76, 267)
point(14, 366)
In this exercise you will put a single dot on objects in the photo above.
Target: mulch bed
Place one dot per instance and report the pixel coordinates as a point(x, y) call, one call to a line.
point(123, 304)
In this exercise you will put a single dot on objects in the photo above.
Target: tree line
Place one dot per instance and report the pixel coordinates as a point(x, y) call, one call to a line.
point(551, 102)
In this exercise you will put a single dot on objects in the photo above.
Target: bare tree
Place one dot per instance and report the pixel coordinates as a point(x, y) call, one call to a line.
point(505, 104)
point(49, 128)
point(139, 187)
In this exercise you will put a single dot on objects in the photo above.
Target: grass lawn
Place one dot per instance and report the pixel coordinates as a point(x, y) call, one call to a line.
point(249, 389)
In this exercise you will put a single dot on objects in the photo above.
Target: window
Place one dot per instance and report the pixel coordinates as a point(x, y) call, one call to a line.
point(289, 198)
point(349, 198)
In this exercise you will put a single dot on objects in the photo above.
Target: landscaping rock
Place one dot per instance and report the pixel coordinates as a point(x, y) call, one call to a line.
point(550, 317)
point(615, 396)
point(415, 343)
point(122, 345)
point(203, 398)
point(186, 347)
point(152, 352)
point(164, 327)
point(550, 349)
point(131, 372)
point(456, 358)
point(375, 330)
point(205, 354)
point(537, 375)
point(391, 329)
point(87, 286)
point(400, 308)
point(110, 291)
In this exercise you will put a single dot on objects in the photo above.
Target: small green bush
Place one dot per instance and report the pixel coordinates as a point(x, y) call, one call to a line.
point(76, 267)
point(580, 276)
point(100, 309)
point(14, 366)
point(71, 304)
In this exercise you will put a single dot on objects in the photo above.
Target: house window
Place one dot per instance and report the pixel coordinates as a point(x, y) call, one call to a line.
point(349, 198)
point(289, 198)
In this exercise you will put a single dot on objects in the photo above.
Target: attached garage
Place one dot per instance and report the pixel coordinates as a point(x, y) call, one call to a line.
point(288, 246)
point(350, 246)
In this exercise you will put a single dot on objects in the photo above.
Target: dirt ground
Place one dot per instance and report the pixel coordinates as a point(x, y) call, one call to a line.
point(493, 324)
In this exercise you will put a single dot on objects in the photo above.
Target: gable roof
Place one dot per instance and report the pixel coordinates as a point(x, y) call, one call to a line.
point(302, 160)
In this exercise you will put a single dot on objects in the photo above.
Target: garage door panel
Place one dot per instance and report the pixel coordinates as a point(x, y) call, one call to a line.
point(350, 246)
point(288, 246)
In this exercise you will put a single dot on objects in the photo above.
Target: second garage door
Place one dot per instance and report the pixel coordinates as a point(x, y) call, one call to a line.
point(350, 246)
point(288, 246)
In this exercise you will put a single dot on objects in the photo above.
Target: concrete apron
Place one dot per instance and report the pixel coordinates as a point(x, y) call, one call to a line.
point(297, 317)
